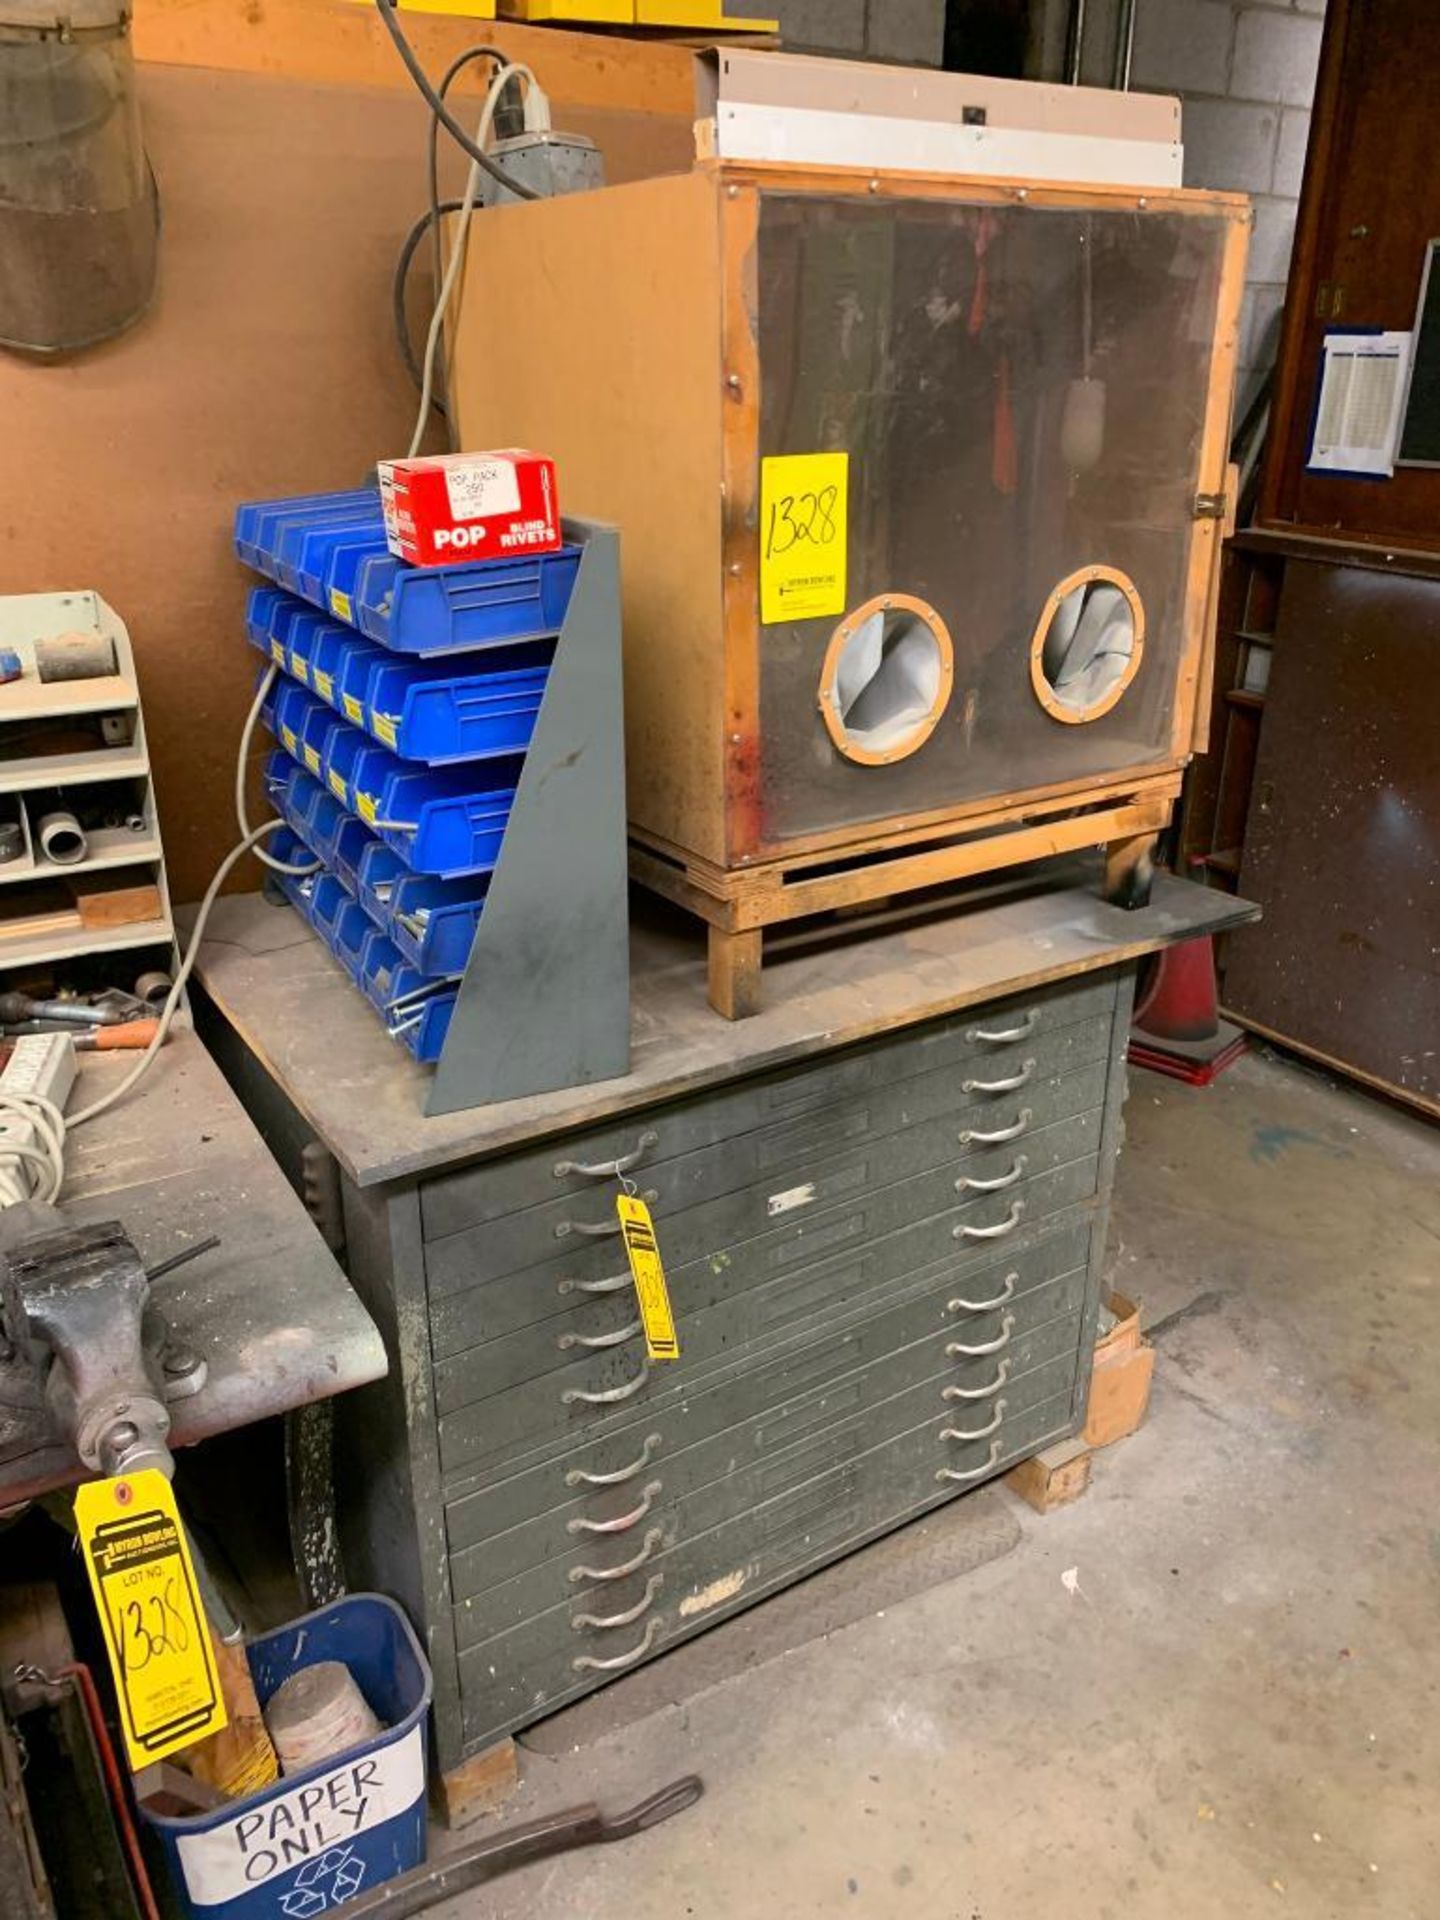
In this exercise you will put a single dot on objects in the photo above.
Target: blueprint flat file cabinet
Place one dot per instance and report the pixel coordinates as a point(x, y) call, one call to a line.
point(910, 1237)
point(882, 1209)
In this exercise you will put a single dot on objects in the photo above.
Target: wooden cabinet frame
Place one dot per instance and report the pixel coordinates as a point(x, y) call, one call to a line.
point(693, 655)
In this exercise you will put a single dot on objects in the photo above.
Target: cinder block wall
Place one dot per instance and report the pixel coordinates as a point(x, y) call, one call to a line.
point(911, 31)
point(1246, 73)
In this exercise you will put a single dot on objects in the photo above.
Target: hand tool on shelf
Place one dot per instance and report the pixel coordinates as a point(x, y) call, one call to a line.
point(134, 1034)
point(17, 1007)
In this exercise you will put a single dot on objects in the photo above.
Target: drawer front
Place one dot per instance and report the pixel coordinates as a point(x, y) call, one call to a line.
point(974, 1143)
point(716, 1277)
point(788, 1168)
point(655, 1512)
point(463, 1318)
point(764, 1404)
point(645, 1141)
point(599, 1386)
point(513, 1678)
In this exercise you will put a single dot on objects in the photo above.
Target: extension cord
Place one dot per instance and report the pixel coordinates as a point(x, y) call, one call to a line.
point(39, 1076)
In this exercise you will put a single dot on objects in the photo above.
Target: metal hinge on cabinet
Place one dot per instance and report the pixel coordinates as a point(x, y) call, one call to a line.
point(1211, 506)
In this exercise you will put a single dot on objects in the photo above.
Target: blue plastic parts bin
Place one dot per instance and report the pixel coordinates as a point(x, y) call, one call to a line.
point(415, 1004)
point(330, 548)
point(431, 710)
point(321, 1837)
point(432, 920)
point(396, 773)
point(445, 821)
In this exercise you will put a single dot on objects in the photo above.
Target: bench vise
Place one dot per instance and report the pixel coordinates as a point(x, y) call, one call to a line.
point(76, 1316)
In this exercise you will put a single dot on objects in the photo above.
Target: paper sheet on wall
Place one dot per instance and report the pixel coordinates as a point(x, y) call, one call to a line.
point(1362, 391)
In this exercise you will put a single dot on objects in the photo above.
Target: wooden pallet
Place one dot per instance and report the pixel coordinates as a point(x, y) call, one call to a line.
point(738, 904)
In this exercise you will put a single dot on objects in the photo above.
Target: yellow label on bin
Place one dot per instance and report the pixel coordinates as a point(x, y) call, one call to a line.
point(277, 653)
point(287, 739)
point(337, 787)
point(312, 759)
point(340, 605)
point(300, 668)
point(367, 806)
point(353, 709)
point(384, 728)
point(150, 1611)
point(638, 1229)
point(804, 500)
point(324, 685)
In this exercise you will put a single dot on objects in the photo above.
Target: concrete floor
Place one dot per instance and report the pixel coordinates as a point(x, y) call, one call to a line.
point(1211, 1687)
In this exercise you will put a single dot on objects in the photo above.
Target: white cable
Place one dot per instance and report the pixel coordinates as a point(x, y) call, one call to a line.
point(516, 70)
point(172, 999)
point(249, 842)
point(242, 819)
point(31, 1172)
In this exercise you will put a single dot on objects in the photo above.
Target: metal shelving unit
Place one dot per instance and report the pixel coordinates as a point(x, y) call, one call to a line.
point(49, 911)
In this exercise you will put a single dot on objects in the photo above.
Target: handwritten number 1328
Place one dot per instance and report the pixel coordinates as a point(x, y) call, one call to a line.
point(797, 518)
point(152, 1627)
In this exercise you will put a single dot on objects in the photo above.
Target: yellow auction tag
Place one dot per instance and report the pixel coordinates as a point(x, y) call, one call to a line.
point(803, 507)
point(340, 605)
point(154, 1623)
point(648, 1274)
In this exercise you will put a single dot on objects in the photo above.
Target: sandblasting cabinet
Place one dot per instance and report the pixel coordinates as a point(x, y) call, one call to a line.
point(920, 482)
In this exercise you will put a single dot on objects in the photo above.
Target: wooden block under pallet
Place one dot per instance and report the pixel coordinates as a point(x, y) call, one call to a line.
point(480, 1785)
point(1053, 1477)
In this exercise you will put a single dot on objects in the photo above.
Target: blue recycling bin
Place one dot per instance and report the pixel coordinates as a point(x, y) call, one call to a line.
point(319, 1838)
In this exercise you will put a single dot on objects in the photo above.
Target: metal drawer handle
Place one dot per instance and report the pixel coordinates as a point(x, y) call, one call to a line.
point(615, 1284)
point(976, 1433)
point(623, 1522)
point(612, 1396)
point(607, 1169)
point(597, 1229)
point(1000, 1086)
point(586, 1662)
point(651, 1541)
point(998, 1039)
point(578, 1477)
point(1006, 1293)
point(997, 1232)
point(592, 1340)
point(968, 1181)
point(955, 1351)
point(972, 1136)
point(975, 1473)
point(1002, 1374)
point(629, 1616)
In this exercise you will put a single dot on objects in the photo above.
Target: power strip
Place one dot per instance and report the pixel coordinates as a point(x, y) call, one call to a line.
point(41, 1067)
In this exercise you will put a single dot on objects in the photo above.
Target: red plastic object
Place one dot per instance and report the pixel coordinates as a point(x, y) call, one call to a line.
point(1176, 1028)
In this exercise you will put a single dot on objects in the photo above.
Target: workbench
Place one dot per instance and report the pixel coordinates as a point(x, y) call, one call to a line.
point(268, 1310)
point(881, 1204)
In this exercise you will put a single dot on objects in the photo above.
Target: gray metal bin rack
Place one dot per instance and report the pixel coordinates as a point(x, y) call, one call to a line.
point(543, 1001)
